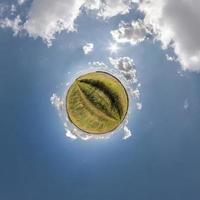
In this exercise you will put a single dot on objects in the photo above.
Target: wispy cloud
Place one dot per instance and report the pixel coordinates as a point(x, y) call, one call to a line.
point(56, 101)
point(186, 104)
point(15, 24)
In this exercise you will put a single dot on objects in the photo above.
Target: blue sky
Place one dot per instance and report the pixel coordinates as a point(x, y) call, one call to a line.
point(161, 159)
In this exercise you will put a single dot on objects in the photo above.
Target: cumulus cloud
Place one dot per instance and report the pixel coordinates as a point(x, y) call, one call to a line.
point(46, 18)
point(110, 8)
point(126, 66)
point(133, 33)
point(127, 69)
point(127, 133)
point(176, 24)
point(88, 48)
point(123, 63)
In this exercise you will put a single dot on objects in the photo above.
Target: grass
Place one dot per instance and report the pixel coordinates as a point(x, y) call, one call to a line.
point(97, 103)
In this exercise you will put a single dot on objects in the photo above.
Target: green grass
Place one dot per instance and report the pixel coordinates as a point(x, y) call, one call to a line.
point(97, 103)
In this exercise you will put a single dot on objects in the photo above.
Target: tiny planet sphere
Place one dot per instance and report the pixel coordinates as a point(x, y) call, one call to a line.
point(97, 103)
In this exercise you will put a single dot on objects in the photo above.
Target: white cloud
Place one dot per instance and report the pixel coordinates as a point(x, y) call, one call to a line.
point(139, 106)
point(46, 18)
point(110, 8)
point(20, 2)
point(127, 133)
point(176, 24)
point(133, 33)
point(127, 69)
point(88, 48)
point(98, 64)
point(70, 134)
point(170, 58)
point(93, 4)
point(123, 63)
point(13, 9)
point(15, 24)
point(126, 66)
point(136, 93)
point(57, 102)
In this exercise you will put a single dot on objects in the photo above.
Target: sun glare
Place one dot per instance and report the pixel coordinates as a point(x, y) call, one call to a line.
point(113, 48)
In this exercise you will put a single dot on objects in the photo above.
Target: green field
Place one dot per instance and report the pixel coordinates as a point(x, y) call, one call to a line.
point(96, 103)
